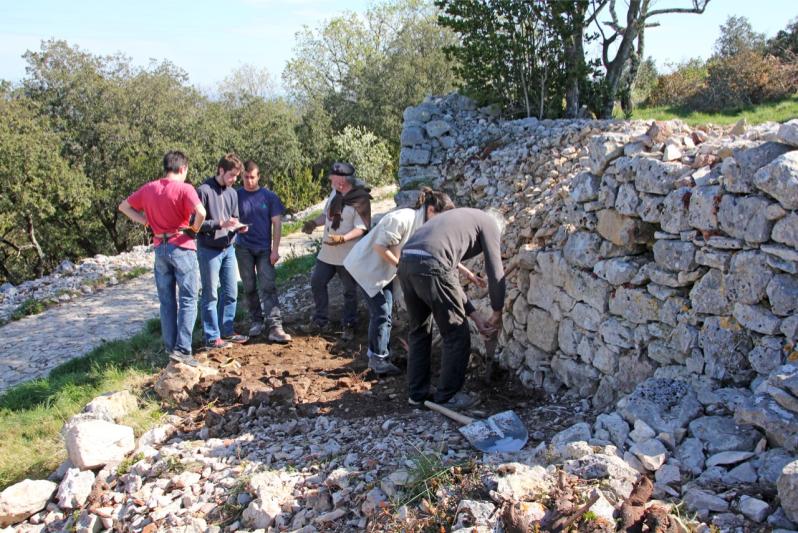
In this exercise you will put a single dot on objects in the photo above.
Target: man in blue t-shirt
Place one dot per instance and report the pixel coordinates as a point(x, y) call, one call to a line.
point(257, 251)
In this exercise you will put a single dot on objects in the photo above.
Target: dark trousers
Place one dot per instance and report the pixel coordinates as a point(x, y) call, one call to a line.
point(260, 291)
point(433, 292)
point(322, 275)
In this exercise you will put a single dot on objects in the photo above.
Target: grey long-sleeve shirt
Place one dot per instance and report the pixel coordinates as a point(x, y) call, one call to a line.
point(459, 234)
point(220, 204)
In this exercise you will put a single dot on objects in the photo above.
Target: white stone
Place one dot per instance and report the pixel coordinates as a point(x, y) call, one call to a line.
point(75, 488)
point(652, 453)
point(754, 508)
point(21, 500)
point(96, 443)
point(788, 490)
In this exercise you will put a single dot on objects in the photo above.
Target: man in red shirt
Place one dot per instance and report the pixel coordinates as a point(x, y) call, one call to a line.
point(166, 205)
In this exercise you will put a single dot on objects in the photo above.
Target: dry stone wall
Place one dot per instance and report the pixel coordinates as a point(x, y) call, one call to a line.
point(644, 248)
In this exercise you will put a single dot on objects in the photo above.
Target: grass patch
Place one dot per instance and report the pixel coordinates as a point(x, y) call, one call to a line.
point(294, 266)
point(32, 413)
point(296, 225)
point(768, 112)
point(31, 306)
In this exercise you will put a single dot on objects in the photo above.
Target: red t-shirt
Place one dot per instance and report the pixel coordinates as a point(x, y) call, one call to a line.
point(167, 204)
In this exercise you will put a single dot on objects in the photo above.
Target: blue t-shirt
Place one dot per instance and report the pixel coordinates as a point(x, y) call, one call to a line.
point(257, 208)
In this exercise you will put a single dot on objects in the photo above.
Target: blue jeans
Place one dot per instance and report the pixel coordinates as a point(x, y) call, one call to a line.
point(176, 268)
point(380, 306)
point(217, 269)
point(319, 279)
point(257, 276)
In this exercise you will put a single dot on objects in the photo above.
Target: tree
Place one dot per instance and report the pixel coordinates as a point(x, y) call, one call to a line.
point(247, 81)
point(368, 153)
point(785, 44)
point(364, 71)
point(737, 36)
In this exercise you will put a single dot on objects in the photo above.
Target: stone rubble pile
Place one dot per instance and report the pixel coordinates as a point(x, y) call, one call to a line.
point(69, 280)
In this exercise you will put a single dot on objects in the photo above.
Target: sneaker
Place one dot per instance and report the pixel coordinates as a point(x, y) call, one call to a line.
point(276, 334)
point(217, 344)
point(183, 358)
point(382, 366)
point(236, 338)
point(459, 401)
point(348, 332)
point(256, 329)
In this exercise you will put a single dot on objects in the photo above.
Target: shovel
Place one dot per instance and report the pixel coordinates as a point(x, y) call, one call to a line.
point(502, 432)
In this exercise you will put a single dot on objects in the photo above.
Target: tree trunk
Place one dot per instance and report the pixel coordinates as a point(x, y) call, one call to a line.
point(616, 67)
point(35, 244)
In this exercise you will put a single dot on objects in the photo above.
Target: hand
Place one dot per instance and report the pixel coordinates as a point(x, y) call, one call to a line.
point(274, 257)
point(483, 326)
point(335, 240)
point(243, 229)
point(495, 320)
point(308, 226)
point(229, 223)
point(479, 281)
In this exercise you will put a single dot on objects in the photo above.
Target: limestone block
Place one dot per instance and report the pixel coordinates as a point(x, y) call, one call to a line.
point(23, 499)
point(585, 317)
point(420, 114)
point(75, 488)
point(605, 359)
point(113, 405)
point(684, 338)
point(608, 191)
point(748, 277)
point(786, 230)
point(743, 217)
point(789, 328)
point(627, 200)
point(553, 267)
point(651, 454)
point(788, 134)
point(665, 404)
point(584, 287)
point(581, 377)
point(766, 355)
point(754, 508)
point(635, 305)
point(722, 434)
point(739, 171)
point(617, 271)
point(622, 230)
point(618, 476)
point(656, 177)
point(603, 149)
point(615, 333)
point(690, 454)
point(582, 249)
point(788, 490)
point(713, 258)
point(541, 293)
point(96, 443)
point(650, 208)
point(585, 187)
point(662, 352)
point(704, 502)
point(725, 345)
point(675, 209)
point(782, 291)
point(675, 255)
point(611, 427)
point(568, 337)
point(763, 411)
point(411, 136)
point(437, 128)
point(542, 329)
point(414, 156)
point(757, 318)
point(703, 211)
point(779, 179)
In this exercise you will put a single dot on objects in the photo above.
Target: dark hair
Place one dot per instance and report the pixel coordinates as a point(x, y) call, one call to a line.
point(229, 162)
point(173, 161)
point(439, 201)
point(250, 165)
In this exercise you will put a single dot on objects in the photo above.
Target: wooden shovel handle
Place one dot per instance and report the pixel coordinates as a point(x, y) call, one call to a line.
point(463, 419)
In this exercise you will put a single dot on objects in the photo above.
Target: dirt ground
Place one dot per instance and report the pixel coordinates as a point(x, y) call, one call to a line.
point(322, 375)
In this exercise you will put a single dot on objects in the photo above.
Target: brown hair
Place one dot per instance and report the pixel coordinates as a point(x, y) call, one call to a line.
point(229, 162)
point(173, 161)
point(250, 165)
point(438, 200)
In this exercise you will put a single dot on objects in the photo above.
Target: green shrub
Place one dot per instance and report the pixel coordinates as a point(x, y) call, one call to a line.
point(367, 152)
point(298, 192)
point(680, 86)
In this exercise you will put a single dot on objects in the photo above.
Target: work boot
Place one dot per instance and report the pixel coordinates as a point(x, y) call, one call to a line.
point(276, 334)
point(382, 366)
point(461, 400)
point(314, 328)
point(348, 332)
point(179, 357)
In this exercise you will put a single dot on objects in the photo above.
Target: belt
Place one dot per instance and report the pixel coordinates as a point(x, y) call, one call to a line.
point(422, 253)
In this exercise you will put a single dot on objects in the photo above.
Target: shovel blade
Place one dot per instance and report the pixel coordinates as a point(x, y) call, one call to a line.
point(502, 432)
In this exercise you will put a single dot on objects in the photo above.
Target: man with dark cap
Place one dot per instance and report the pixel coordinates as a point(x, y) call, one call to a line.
point(346, 218)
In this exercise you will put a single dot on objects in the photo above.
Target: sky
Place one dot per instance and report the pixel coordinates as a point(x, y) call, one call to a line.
point(210, 38)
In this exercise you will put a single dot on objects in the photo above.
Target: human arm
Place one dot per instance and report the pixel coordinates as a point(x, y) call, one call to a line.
point(352, 234)
point(387, 254)
point(199, 217)
point(471, 277)
point(132, 214)
point(277, 228)
point(313, 223)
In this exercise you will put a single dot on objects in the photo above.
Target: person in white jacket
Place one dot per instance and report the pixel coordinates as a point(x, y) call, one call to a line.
point(372, 263)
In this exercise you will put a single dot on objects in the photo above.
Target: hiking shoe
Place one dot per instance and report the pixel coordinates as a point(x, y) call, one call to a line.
point(236, 338)
point(256, 329)
point(459, 401)
point(183, 358)
point(382, 366)
point(217, 344)
point(348, 332)
point(314, 328)
point(276, 334)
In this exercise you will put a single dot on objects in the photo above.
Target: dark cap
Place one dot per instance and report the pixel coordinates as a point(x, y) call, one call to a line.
point(342, 169)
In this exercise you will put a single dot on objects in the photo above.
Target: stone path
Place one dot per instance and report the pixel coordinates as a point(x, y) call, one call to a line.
point(34, 345)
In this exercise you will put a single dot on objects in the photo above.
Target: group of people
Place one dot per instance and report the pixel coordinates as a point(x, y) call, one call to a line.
point(216, 229)
point(205, 236)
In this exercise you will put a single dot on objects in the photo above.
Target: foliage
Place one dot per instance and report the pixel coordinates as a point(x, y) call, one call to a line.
point(737, 37)
point(32, 414)
point(368, 154)
point(364, 71)
point(646, 81)
point(784, 44)
point(294, 266)
point(680, 86)
point(299, 191)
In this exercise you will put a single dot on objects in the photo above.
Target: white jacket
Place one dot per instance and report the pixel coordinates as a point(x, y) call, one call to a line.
point(394, 229)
